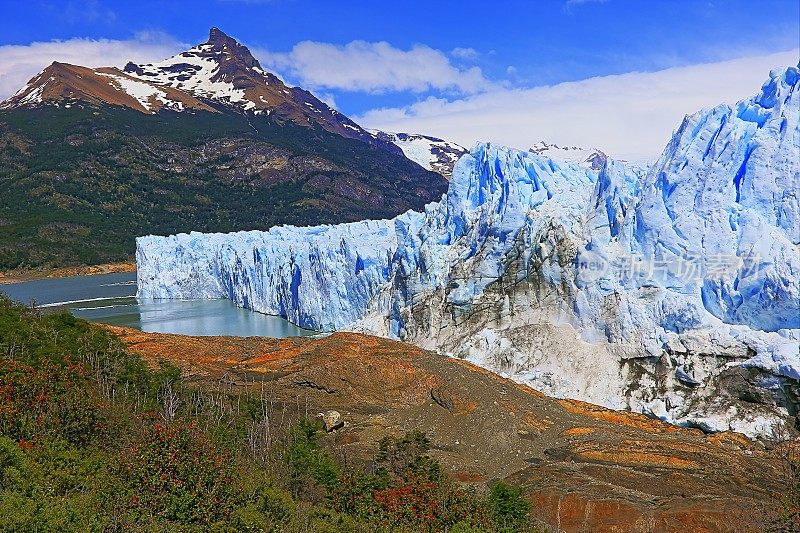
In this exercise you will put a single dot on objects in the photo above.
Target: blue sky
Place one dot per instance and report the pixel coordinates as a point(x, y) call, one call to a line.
point(389, 62)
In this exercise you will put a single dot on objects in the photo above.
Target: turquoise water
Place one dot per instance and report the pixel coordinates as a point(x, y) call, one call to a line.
point(110, 299)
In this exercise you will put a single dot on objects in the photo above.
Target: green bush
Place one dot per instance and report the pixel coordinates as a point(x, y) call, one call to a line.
point(48, 401)
point(312, 472)
point(52, 486)
point(401, 458)
point(409, 491)
point(510, 510)
point(13, 464)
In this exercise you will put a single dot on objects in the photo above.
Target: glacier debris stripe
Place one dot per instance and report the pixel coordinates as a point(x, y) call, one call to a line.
point(324, 277)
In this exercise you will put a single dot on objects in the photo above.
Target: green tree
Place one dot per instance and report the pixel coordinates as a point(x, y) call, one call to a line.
point(312, 471)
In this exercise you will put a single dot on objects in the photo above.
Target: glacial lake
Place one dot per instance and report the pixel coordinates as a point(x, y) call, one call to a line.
point(111, 299)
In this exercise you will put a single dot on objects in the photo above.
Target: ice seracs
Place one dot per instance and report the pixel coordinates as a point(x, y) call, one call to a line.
point(672, 291)
point(728, 185)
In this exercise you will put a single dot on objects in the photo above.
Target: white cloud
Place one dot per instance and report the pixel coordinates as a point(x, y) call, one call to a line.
point(19, 63)
point(328, 99)
point(467, 54)
point(630, 116)
point(373, 67)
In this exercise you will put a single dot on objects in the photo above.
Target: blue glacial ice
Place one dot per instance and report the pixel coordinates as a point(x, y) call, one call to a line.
point(700, 253)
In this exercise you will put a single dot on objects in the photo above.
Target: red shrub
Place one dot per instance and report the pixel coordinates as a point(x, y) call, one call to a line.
point(177, 474)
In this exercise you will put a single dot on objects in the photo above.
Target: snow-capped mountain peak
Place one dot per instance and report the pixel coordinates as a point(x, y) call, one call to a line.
point(430, 153)
point(584, 157)
point(62, 84)
point(224, 71)
point(218, 75)
point(220, 69)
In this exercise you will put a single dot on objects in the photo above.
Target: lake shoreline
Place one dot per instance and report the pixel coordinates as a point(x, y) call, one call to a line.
point(19, 276)
point(110, 298)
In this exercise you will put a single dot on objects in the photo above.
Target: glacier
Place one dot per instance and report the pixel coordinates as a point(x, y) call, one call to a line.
point(672, 290)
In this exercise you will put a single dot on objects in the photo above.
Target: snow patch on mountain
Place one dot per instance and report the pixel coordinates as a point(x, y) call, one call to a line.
point(197, 70)
point(144, 93)
point(32, 97)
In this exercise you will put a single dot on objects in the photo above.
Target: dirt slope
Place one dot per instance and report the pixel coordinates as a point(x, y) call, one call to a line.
point(585, 468)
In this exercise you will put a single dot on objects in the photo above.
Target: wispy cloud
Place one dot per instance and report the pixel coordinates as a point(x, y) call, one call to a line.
point(570, 5)
point(19, 63)
point(87, 10)
point(467, 54)
point(630, 116)
point(373, 67)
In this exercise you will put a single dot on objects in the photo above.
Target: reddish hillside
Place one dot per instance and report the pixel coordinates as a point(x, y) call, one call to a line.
point(585, 468)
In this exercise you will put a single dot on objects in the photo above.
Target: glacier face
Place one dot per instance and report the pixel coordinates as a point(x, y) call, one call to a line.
point(673, 291)
point(728, 184)
point(327, 277)
point(320, 277)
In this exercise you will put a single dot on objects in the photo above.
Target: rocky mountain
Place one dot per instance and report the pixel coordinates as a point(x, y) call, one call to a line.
point(224, 71)
point(206, 140)
point(428, 152)
point(219, 71)
point(671, 291)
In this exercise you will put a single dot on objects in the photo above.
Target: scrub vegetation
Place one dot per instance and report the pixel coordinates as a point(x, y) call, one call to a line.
point(92, 439)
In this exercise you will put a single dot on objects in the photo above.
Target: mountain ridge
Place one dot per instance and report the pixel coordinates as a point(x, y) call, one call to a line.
point(589, 157)
point(220, 71)
point(431, 153)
